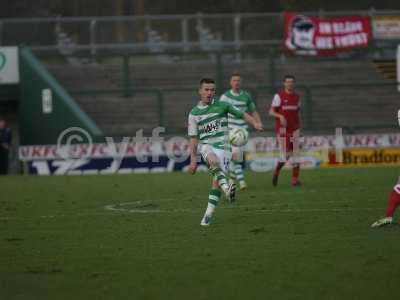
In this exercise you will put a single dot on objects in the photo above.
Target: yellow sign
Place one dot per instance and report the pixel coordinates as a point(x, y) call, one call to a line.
point(386, 27)
point(266, 161)
point(365, 158)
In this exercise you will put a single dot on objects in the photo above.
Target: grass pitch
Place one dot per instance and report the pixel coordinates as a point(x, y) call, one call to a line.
point(138, 237)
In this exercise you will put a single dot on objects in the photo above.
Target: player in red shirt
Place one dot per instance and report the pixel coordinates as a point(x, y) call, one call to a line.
point(285, 108)
point(393, 200)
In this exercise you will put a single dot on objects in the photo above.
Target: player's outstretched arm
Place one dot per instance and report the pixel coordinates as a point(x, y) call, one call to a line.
point(256, 116)
point(247, 117)
point(252, 121)
point(252, 110)
point(193, 155)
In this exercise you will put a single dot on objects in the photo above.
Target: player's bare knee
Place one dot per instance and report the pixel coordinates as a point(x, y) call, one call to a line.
point(238, 157)
point(234, 156)
point(212, 161)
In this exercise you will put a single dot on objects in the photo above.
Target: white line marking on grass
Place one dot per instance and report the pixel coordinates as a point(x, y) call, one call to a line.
point(8, 218)
point(280, 207)
point(247, 208)
point(119, 207)
point(299, 210)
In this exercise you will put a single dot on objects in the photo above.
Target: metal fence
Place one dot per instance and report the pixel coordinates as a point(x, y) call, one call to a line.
point(317, 116)
point(154, 33)
point(335, 93)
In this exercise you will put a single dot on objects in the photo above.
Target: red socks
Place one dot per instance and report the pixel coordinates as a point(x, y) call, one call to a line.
point(278, 168)
point(393, 202)
point(295, 173)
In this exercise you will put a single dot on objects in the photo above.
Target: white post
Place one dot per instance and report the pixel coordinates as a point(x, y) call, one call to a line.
point(398, 67)
point(185, 34)
point(1, 33)
point(93, 50)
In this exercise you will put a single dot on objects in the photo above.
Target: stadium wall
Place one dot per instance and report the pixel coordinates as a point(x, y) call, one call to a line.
point(46, 109)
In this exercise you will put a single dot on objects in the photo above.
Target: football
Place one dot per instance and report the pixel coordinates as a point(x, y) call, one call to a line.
point(238, 136)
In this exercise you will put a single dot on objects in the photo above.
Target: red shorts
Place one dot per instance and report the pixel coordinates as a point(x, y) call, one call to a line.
point(285, 142)
point(288, 143)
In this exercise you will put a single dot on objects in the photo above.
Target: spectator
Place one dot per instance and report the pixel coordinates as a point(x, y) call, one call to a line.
point(5, 143)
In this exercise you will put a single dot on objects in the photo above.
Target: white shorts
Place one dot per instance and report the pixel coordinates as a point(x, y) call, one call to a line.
point(397, 188)
point(223, 156)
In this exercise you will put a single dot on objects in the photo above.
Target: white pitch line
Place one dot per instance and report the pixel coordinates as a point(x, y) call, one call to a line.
point(8, 218)
point(249, 208)
point(241, 207)
point(298, 210)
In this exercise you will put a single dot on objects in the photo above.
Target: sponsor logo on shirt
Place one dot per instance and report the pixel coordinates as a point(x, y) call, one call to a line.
point(289, 107)
point(212, 127)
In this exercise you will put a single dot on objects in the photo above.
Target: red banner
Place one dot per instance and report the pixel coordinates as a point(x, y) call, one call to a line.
point(306, 35)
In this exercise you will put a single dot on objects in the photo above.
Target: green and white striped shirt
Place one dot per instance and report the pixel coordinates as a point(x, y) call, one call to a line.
point(241, 101)
point(210, 123)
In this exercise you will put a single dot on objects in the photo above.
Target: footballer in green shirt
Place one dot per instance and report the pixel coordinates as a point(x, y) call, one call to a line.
point(208, 133)
point(243, 101)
